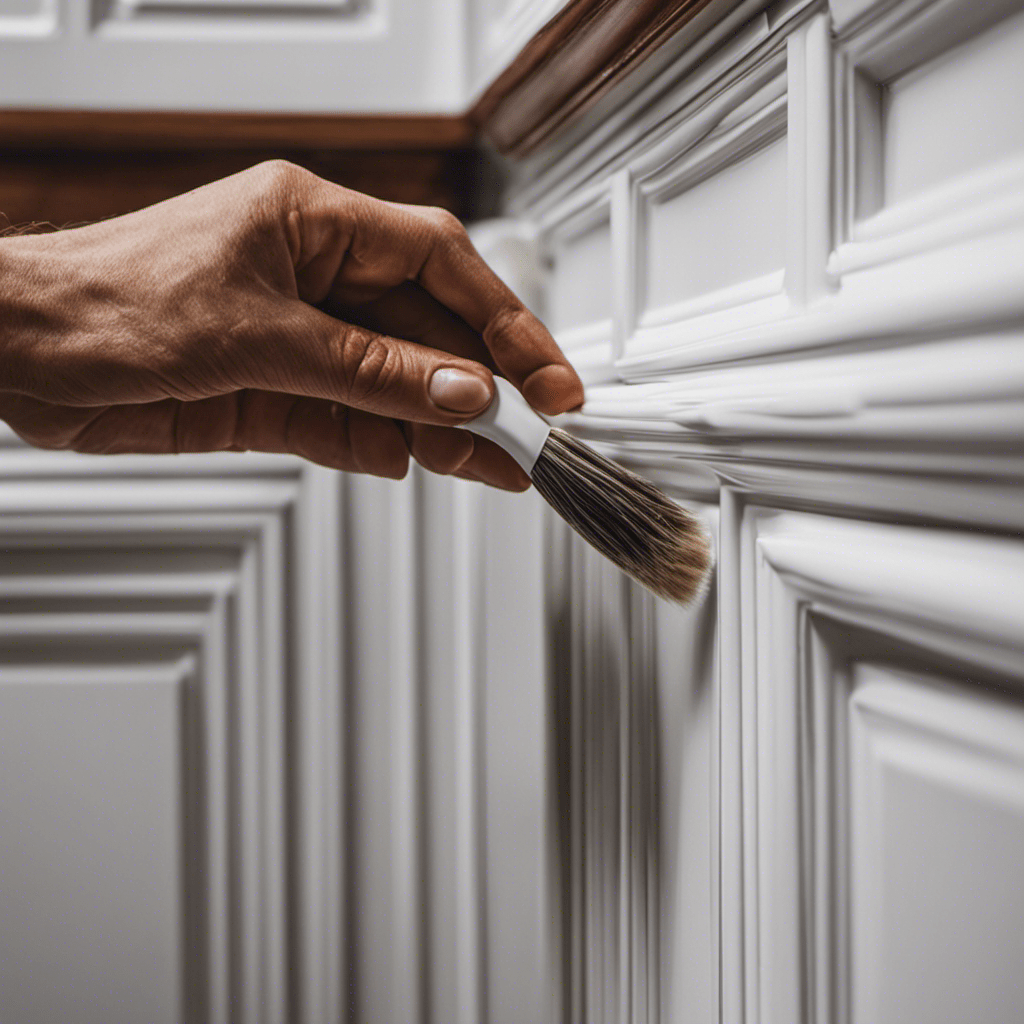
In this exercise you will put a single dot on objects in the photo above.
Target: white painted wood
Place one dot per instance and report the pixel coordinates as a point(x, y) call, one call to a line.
point(582, 279)
point(740, 199)
point(324, 56)
point(540, 795)
point(188, 560)
point(319, 616)
point(831, 598)
point(683, 647)
point(872, 371)
point(467, 641)
point(937, 780)
point(93, 837)
point(581, 275)
point(406, 756)
point(515, 775)
point(932, 131)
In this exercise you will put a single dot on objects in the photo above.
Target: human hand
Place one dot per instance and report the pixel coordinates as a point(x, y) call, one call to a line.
point(270, 311)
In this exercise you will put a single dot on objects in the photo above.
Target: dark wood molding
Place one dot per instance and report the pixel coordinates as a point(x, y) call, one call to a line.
point(567, 66)
point(67, 187)
point(173, 130)
point(64, 167)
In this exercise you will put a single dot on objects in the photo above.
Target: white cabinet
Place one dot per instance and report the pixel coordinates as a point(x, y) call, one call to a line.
point(313, 56)
point(424, 756)
point(791, 274)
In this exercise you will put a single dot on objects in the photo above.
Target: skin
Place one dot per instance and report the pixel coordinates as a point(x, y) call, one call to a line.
point(271, 311)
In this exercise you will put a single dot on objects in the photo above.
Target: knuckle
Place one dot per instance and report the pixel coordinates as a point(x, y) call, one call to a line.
point(279, 171)
point(280, 178)
point(446, 224)
point(369, 365)
point(504, 331)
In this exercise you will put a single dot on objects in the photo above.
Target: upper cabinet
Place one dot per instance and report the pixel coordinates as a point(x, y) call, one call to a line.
point(312, 56)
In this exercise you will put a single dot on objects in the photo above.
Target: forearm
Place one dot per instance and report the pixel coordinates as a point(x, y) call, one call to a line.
point(33, 311)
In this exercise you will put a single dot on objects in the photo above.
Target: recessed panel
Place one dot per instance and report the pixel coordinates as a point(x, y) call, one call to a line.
point(937, 827)
point(722, 231)
point(90, 879)
point(959, 112)
point(581, 277)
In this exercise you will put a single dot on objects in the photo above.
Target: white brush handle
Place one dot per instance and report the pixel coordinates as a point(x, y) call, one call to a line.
point(510, 422)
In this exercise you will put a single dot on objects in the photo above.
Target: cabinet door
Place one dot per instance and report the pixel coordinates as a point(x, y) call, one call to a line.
point(169, 739)
point(888, 738)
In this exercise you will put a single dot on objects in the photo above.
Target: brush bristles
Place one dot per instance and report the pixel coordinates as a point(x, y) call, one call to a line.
point(647, 535)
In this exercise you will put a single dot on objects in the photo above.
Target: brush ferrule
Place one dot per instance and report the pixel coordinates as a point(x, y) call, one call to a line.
point(510, 422)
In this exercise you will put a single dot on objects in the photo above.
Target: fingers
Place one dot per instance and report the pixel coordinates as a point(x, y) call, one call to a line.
point(388, 244)
point(411, 312)
point(299, 350)
point(324, 432)
point(341, 438)
point(448, 451)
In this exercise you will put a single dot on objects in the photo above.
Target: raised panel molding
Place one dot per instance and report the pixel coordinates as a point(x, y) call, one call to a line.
point(856, 409)
point(895, 51)
point(734, 152)
point(104, 567)
point(816, 603)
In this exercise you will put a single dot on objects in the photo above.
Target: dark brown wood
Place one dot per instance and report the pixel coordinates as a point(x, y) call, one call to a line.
point(158, 130)
point(65, 187)
point(571, 63)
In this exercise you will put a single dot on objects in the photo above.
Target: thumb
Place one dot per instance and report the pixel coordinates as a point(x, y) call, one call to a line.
point(313, 354)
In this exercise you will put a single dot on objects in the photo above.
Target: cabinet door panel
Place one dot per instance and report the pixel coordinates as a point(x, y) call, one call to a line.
point(722, 231)
point(889, 745)
point(90, 855)
point(937, 819)
point(957, 113)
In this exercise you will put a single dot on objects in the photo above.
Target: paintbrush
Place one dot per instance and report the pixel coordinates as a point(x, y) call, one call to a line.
point(626, 518)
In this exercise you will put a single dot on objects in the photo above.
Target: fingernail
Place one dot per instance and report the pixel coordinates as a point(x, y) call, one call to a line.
point(458, 390)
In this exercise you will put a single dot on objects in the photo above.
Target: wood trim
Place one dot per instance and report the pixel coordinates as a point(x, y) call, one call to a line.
point(63, 187)
point(178, 130)
point(64, 167)
point(567, 66)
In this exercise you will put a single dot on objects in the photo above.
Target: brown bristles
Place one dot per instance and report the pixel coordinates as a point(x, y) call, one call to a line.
point(626, 518)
